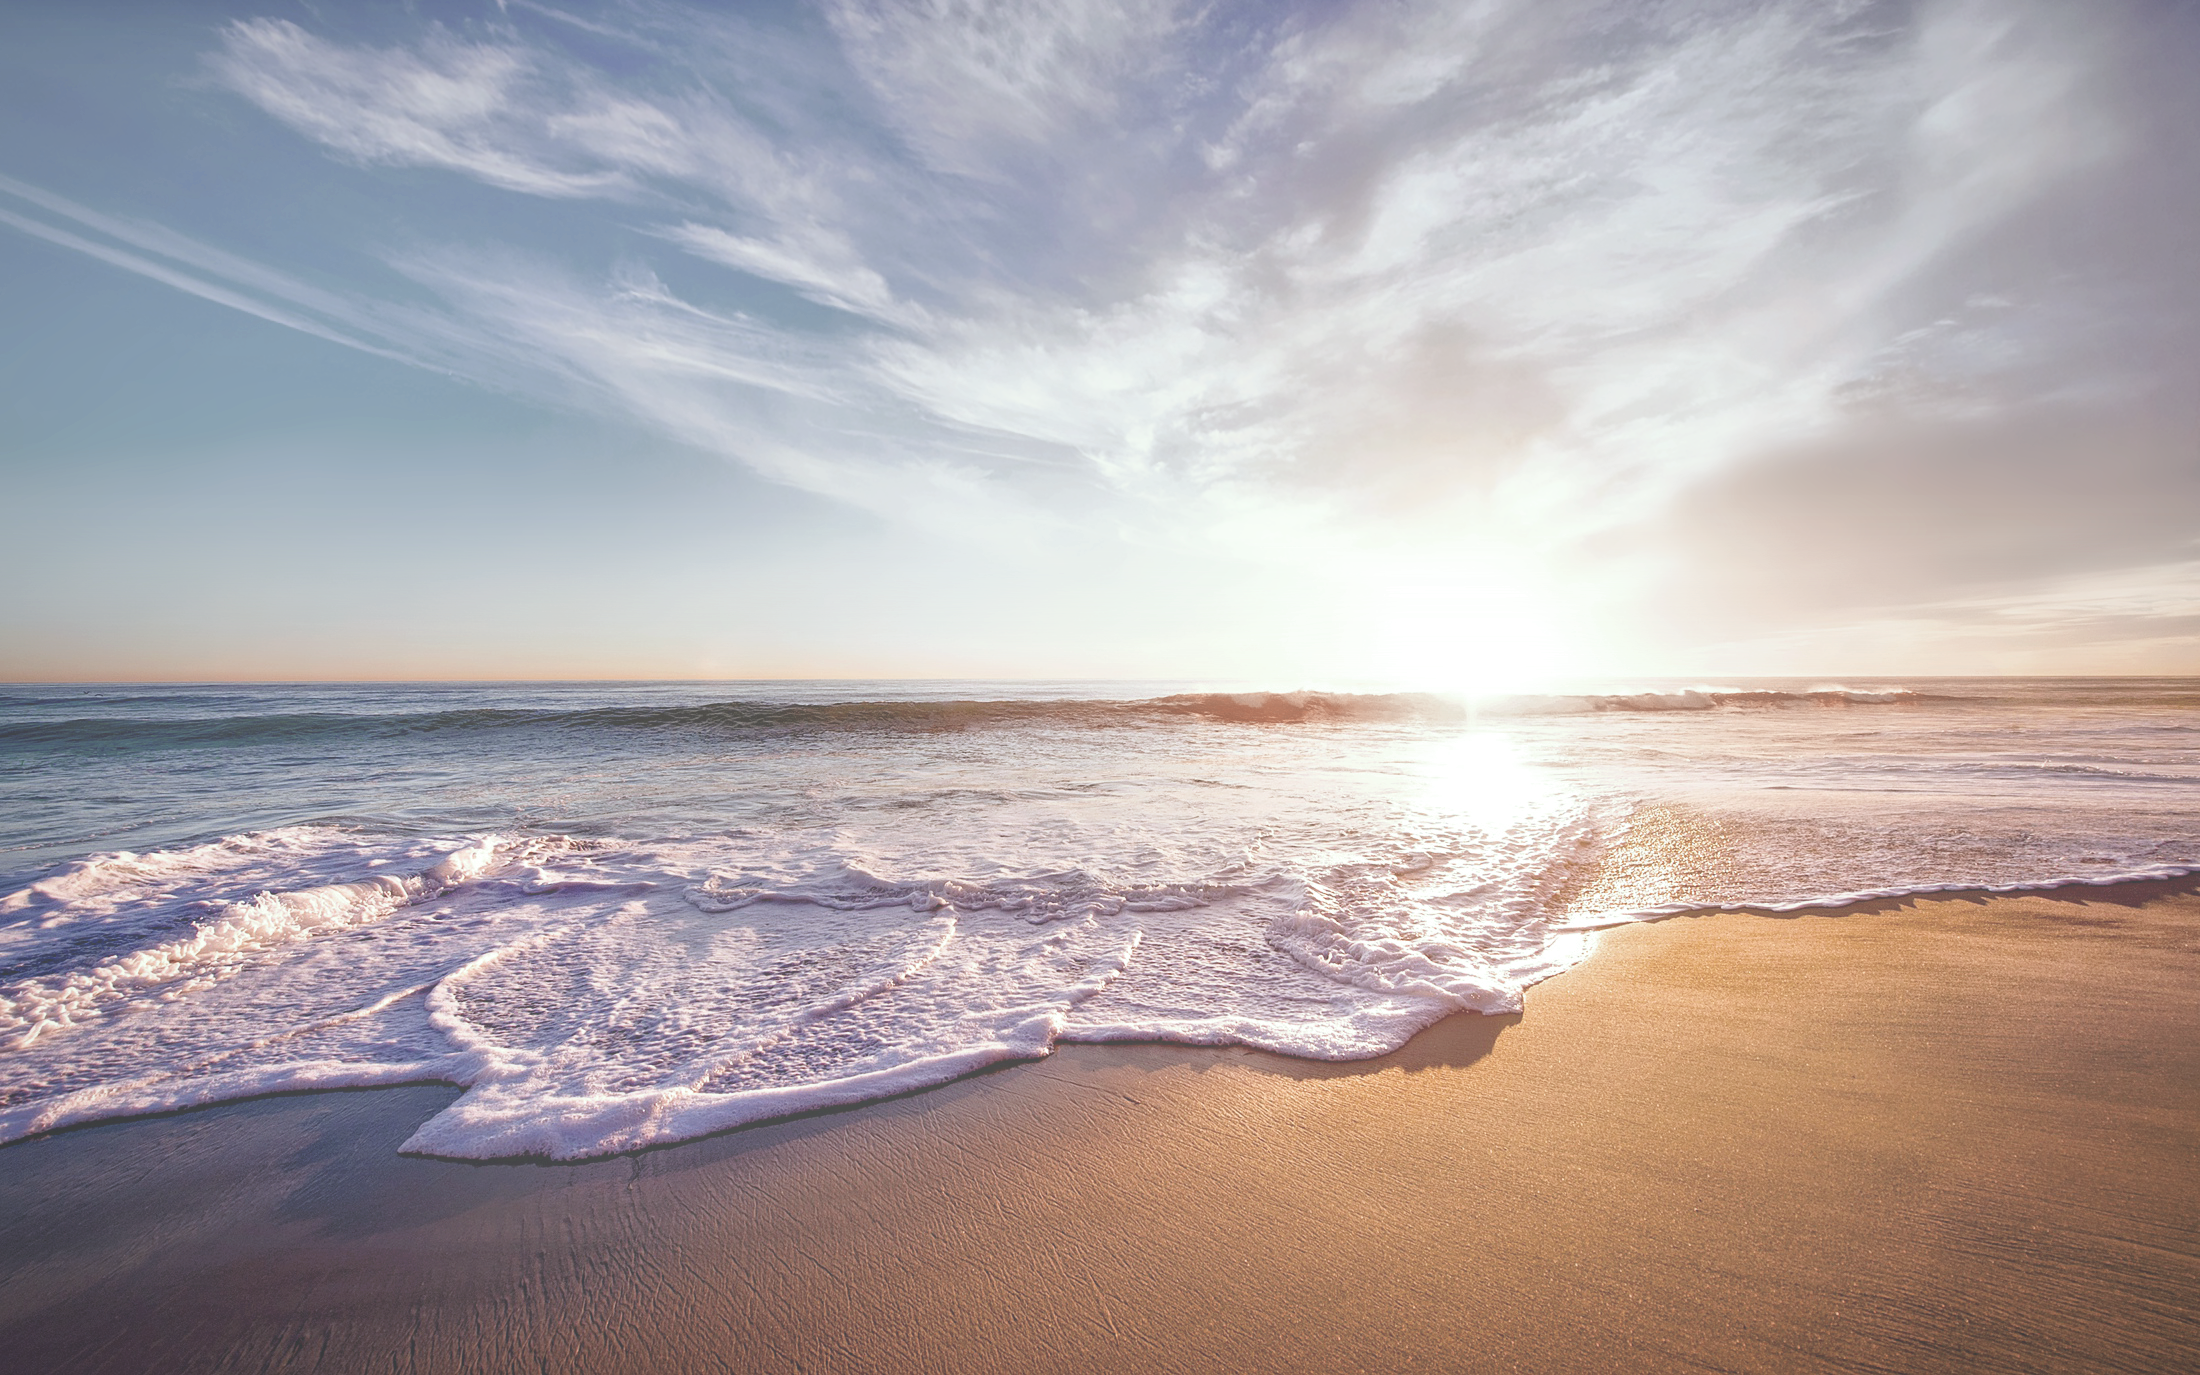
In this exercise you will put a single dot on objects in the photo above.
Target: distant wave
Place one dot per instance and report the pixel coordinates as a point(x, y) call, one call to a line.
point(1245, 708)
point(1710, 699)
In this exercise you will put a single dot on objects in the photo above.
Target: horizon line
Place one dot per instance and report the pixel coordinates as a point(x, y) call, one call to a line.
point(986, 678)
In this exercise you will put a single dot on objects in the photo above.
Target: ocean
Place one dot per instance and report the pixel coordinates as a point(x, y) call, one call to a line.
point(625, 915)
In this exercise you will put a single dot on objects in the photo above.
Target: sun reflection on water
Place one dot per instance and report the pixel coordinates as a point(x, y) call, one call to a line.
point(1482, 777)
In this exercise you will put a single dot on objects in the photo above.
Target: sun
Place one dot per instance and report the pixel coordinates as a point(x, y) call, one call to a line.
point(1473, 628)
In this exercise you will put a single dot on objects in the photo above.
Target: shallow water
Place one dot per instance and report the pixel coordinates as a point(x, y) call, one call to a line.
point(622, 915)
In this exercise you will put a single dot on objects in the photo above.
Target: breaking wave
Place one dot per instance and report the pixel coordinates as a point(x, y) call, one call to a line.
point(216, 946)
point(595, 996)
point(1711, 699)
point(733, 718)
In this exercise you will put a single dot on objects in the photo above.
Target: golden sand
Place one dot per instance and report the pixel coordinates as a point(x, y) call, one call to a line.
point(1947, 1136)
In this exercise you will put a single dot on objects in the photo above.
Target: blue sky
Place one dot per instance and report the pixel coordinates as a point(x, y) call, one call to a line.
point(1452, 343)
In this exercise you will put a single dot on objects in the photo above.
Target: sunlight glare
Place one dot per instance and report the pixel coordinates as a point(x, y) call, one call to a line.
point(1481, 777)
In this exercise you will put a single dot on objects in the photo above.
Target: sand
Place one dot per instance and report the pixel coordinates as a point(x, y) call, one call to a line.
point(1943, 1136)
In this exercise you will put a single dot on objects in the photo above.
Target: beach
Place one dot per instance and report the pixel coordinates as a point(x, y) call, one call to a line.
point(996, 688)
point(1926, 1135)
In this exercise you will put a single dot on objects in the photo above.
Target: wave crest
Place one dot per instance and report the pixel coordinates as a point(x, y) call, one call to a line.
point(121, 734)
point(222, 943)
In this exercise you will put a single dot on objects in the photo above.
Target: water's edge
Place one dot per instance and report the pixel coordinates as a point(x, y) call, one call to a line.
point(2131, 890)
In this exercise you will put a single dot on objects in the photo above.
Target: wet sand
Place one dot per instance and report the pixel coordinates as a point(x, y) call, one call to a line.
point(1940, 1136)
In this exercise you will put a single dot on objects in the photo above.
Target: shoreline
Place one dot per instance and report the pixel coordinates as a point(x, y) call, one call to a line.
point(2135, 888)
point(1957, 1133)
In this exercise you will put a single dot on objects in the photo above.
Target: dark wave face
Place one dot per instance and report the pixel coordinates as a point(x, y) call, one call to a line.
point(730, 717)
point(367, 722)
point(205, 726)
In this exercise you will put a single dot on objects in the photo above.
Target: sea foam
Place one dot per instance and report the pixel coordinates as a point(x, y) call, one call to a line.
point(594, 997)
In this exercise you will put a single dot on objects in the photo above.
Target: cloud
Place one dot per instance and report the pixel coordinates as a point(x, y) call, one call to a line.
point(1409, 290)
point(826, 270)
point(194, 268)
point(2142, 620)
point(443, 103)
point(973, 83)
point(1440, 268)
point(1682, 238)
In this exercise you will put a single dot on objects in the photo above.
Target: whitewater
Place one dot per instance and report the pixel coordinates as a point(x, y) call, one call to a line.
point(625, 915)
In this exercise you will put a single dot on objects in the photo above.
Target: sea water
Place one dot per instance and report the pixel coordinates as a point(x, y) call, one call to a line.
point(622, 915)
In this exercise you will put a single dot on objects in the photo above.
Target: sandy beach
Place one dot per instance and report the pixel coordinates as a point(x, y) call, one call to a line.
point(1949, 1135)
point(851, 687)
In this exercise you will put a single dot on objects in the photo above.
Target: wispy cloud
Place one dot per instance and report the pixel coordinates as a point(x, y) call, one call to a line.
point(2139, 619)
point(154, 251)
point(975, 85)
point(1401, 285)
point(826, 269)
point(1675, 233)
point(477, 108)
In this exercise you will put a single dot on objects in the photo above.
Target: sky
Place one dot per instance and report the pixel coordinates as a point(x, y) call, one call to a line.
point(1462, 344)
